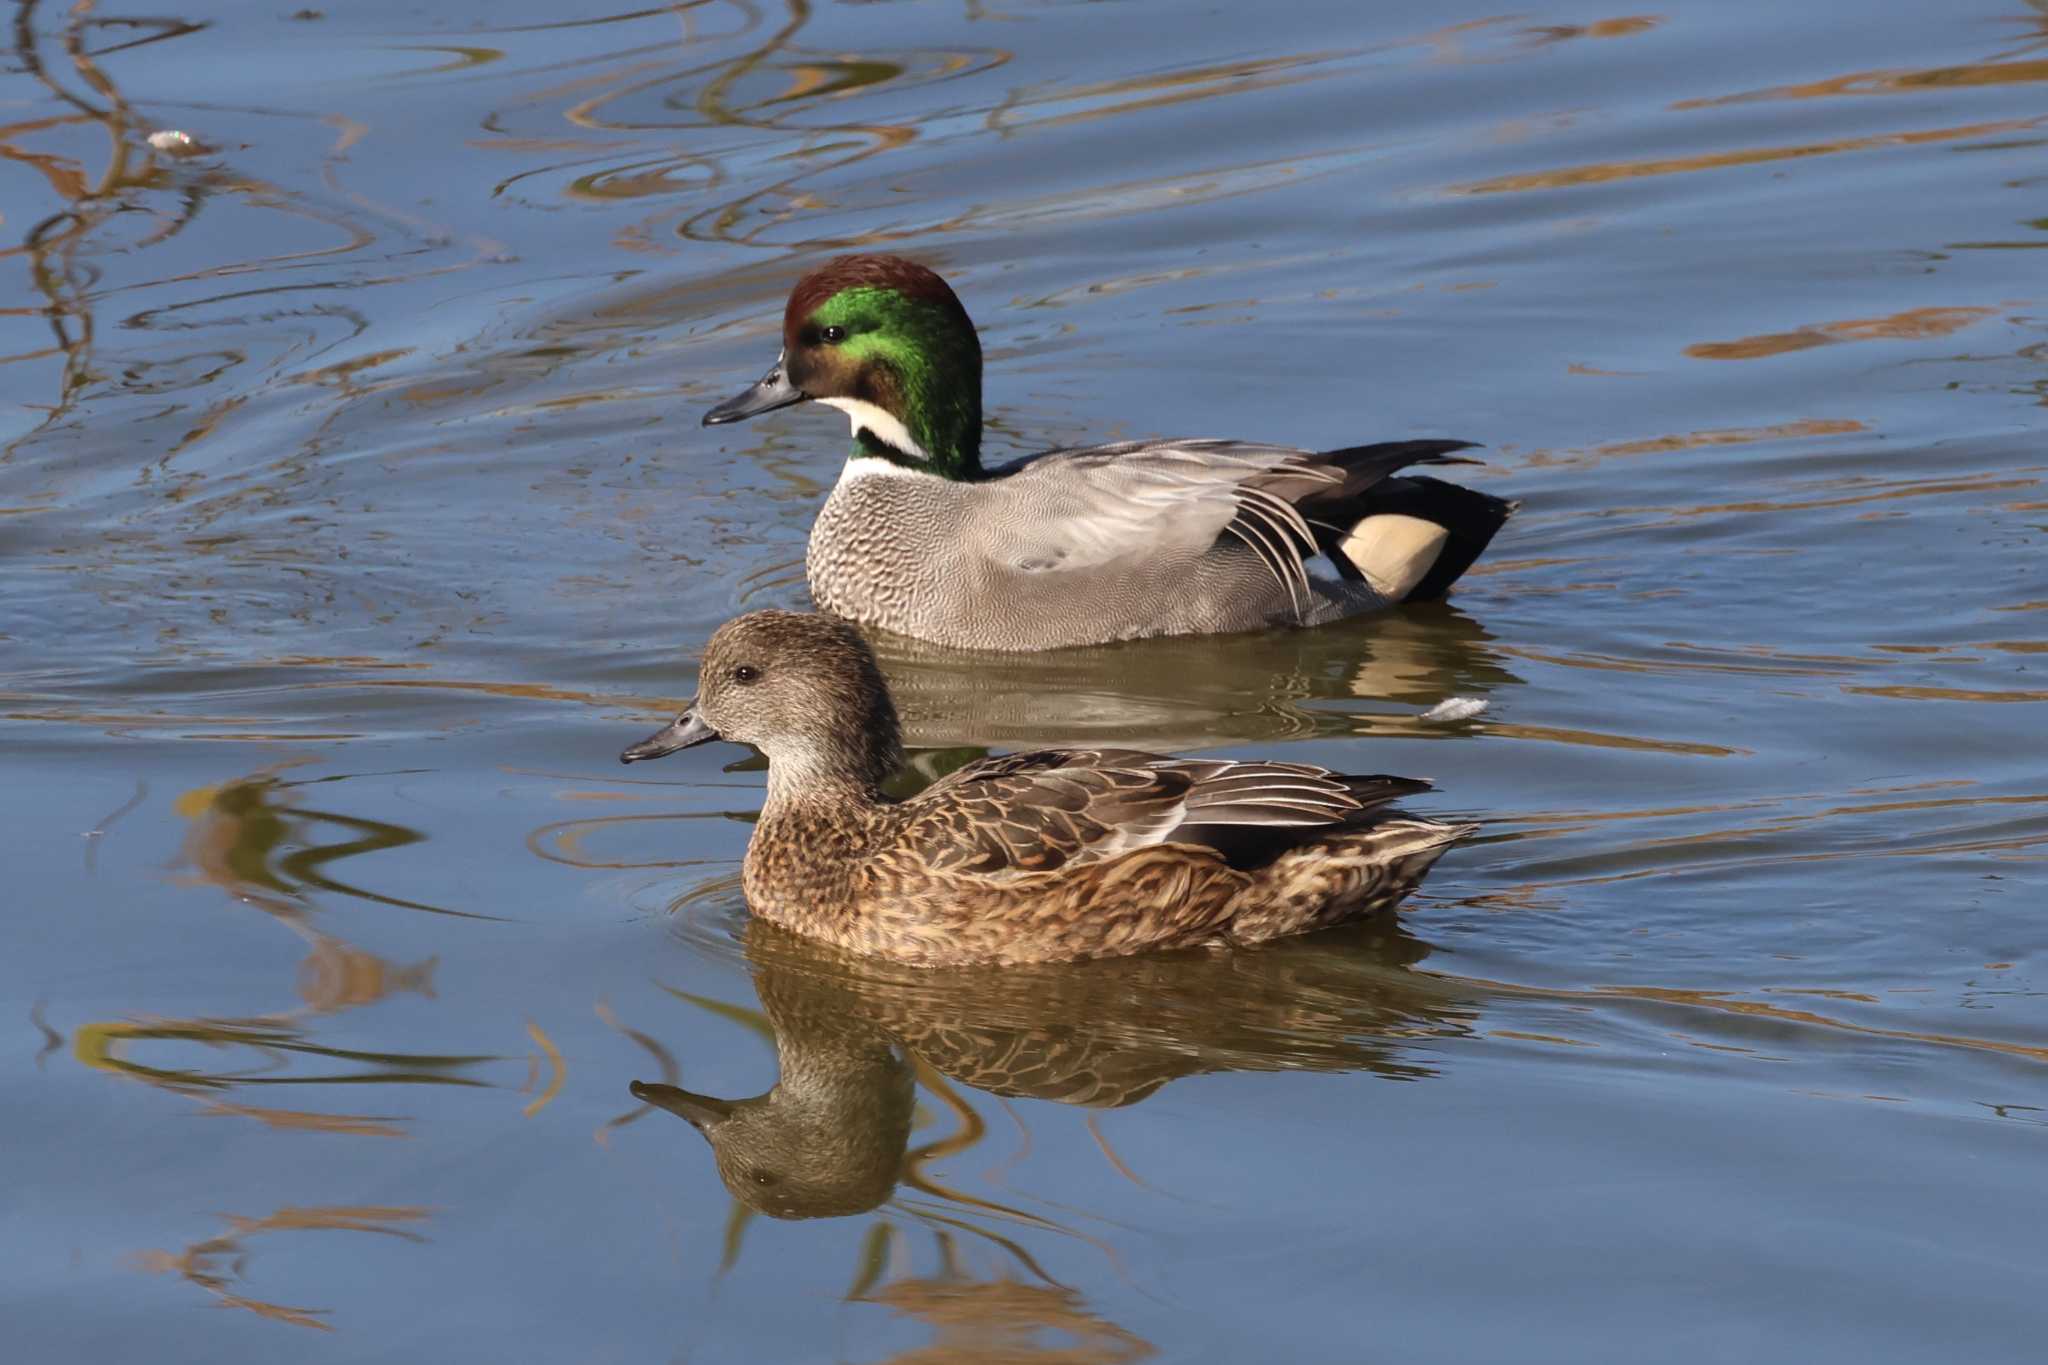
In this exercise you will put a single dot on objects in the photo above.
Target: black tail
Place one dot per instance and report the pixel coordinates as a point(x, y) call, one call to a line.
point(1365, 466)
point(1468, 518)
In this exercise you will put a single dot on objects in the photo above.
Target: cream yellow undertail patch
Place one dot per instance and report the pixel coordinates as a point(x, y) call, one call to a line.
point(1394, 551)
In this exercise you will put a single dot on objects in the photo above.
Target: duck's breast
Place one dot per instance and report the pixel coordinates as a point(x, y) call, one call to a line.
point(885, 547)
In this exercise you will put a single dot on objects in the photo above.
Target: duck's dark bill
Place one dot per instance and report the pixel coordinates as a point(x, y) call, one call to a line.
point(701, 1111)
point(679, 733)
point(774, 391)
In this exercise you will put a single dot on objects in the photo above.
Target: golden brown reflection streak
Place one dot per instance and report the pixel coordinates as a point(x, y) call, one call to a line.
point(1608, 171)
point(199, 1262)
point(1890, 492)
point(1779, 825)
point(1548, 734)
point(102, 200)
point(970, 1134)
point(597, 21)
point(711, 103)
point(131, 166)
point(99, 1046)
point(1974, 74)
point(1610, 663)
point(45, 245)
point(671, 1073)
point(1659, 445)
point(1908, 693)
point(1718, 1001)
point(1233, 77)
point(558, 1070)
point(570, 834)
point(994, 1320)
point(1914, 324)
point(241, 829)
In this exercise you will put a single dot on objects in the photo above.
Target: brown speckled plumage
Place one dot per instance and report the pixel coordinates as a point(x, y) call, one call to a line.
point(1034, 857)
point(830, 1137)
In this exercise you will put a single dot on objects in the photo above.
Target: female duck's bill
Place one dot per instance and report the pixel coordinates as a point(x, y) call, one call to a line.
point(685, 731)
point(699, 1111)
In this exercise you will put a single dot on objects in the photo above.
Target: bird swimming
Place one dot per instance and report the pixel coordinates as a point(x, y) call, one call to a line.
point(1080, 545)
point(1045, 856)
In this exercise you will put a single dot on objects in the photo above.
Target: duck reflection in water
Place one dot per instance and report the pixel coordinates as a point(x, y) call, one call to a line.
point(1186, 692)
point(832, 1136)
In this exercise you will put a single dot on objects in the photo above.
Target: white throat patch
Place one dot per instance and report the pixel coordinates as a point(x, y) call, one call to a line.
point(882, 425)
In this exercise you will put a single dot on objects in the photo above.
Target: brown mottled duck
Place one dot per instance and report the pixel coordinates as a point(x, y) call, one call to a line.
point(1043, 856)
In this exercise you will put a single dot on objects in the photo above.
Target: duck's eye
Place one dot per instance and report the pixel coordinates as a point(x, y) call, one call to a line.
point(834, 335)
point(760, 1177)
point(746, 673)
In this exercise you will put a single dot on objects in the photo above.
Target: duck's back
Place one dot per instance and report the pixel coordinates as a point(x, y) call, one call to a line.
point(1068, 548)
point(1059, 854)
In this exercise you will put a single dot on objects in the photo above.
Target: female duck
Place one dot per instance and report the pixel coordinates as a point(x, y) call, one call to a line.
point(1085, 545)
point(1033, 857)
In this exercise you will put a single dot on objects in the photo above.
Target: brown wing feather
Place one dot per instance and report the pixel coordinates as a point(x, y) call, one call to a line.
point(1038, 812)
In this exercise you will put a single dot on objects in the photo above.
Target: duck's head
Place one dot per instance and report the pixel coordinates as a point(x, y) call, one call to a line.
point(828, 1139)
point(803, 689)
point(825, 1149)
point(885, 341)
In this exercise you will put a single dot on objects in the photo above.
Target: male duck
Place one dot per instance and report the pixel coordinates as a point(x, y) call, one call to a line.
point(1084, 545)
point(1032, 857)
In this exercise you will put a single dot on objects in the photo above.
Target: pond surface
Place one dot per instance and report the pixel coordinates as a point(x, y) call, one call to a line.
point(354, 512)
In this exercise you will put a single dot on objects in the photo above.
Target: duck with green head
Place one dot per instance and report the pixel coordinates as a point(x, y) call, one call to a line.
point(1089, 544)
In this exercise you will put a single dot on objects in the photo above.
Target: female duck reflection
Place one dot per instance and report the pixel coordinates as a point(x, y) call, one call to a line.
point(831, 1138)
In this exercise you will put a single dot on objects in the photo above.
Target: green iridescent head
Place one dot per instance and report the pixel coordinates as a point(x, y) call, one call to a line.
point(885, 341)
